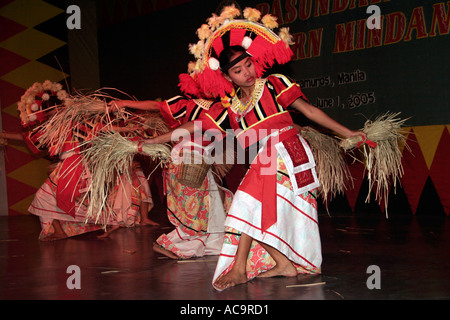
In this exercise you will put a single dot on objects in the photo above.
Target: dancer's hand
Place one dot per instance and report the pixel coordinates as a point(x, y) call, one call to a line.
point(5, 136)
point(115, 105)
point(3, 141)
point(148, 105)
point(362, 134)
point(357, 138)
point(150, 141)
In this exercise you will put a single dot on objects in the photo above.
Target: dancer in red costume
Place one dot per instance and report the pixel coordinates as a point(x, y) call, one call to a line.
point(198, 214)
point(57, 201)
point(272, 225)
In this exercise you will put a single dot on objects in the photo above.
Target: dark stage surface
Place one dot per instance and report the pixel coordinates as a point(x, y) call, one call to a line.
point(412, 254)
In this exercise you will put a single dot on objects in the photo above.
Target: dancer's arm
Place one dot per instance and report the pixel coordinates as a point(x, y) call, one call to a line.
point(11, 136)
point(183, 131)
point(149, 105)
point(318, 116)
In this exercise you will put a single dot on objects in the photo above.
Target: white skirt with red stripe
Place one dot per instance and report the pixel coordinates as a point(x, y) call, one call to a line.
point(295, 233)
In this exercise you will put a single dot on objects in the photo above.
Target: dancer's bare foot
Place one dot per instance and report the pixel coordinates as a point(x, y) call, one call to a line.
point(55, 236)
point(167, 253)
point(231, 279)
point(106, 234)
point(146, 221)
point(58, 233)
point(283, 266)
point(149, 222)
point(283, 270)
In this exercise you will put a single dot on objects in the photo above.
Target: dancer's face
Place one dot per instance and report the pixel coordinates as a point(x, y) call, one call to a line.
point(242, 73)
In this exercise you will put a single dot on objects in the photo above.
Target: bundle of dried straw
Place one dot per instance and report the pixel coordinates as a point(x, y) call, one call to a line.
point(77, 109)
point(332, 170)
point(150, 124)
point(108, 159)
point(384, 161)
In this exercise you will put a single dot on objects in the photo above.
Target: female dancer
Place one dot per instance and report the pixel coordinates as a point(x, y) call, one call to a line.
point(57, 201)
point(272, 225)
point(198, 213)
point(291, 235)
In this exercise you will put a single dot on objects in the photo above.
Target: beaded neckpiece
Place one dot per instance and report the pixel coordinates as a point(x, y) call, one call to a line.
point(242, 109)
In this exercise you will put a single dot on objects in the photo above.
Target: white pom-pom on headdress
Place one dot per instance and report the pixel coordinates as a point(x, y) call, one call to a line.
point(214, 64)
point(34, 107)
point(246, 42)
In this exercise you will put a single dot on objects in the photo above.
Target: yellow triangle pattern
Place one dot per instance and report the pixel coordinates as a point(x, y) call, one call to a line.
point(32, 72)
point(23, 205)
point(11, 110)
point(34, 173)
point(18, 145)
point(32, 44)
point(29, 13)
point(428, 138)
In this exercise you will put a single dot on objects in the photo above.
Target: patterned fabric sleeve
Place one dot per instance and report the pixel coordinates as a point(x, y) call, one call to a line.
point(31, 139)
point(285, 89)
point(216, 118)
point(174, 110)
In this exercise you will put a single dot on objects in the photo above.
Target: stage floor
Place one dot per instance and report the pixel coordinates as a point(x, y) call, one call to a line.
point(412, 254)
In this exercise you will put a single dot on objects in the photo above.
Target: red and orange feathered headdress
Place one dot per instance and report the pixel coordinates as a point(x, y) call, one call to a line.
point(204, 78)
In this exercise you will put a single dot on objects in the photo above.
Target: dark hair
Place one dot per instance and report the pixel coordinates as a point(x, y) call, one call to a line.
point(225, 57)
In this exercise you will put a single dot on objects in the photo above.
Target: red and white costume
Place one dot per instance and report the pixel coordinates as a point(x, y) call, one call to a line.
point(59, 196)
point(275, 203)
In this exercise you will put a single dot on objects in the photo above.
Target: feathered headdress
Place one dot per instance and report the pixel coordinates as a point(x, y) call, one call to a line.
point(204, 78)
point(37, 99)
